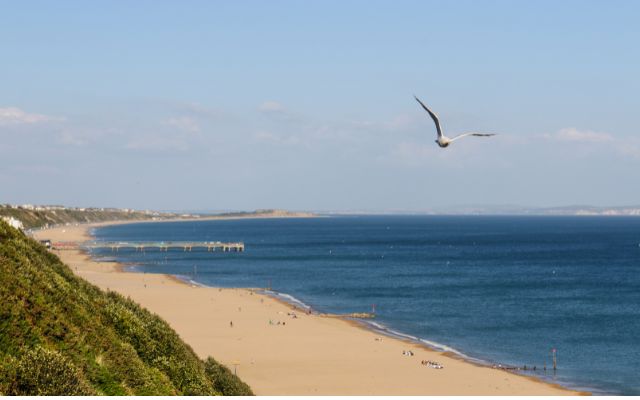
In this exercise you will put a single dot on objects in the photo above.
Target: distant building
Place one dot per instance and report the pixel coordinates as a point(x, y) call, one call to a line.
point(16, 223)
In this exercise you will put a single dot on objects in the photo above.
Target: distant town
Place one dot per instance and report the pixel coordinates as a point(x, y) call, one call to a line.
point(29, 216)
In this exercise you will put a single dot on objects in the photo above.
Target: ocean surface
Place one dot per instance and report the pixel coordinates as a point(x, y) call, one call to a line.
point(502, 290)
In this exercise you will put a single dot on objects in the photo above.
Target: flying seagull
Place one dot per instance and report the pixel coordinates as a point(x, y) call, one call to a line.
point(442, 140)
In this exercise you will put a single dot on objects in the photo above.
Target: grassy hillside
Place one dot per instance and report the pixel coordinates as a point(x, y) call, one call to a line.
point(60, 335)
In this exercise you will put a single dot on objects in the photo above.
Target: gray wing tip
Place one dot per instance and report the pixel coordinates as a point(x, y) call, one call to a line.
point(421, 103)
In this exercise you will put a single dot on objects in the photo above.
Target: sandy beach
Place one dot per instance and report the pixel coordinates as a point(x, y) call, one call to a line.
point(277, 354)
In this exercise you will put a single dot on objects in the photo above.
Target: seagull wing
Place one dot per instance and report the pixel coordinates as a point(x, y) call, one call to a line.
point(472, 134)
point(433, 117)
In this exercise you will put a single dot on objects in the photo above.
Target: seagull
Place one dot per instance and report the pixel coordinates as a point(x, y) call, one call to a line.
point(442, 140)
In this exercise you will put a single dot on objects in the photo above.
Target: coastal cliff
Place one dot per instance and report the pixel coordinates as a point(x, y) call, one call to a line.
point(60, 335)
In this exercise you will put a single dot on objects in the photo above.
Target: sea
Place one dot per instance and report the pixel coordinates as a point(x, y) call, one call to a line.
point(497, 290)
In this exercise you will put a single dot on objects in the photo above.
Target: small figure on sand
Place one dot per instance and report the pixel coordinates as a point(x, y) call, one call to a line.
point(431, 364)
point(231, 324)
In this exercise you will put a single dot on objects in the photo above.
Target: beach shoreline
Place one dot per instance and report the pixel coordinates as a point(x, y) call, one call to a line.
point(308, 354)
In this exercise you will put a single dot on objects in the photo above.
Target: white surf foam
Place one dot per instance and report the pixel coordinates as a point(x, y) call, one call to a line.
point(287, 298)
point(381, 328)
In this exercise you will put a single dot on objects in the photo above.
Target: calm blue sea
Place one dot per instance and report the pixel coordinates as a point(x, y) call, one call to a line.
point(499, 289)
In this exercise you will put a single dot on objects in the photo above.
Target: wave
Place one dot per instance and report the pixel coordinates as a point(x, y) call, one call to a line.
point(375, 326)
point(367, 324)
point(287, 298)
point(106, 259)
point(189, 280)
point(383, 329)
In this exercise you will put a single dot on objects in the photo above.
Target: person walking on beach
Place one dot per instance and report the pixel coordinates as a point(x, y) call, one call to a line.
point(231, 324)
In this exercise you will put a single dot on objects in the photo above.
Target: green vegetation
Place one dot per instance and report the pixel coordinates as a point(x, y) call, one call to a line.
point(38, 218)
point(265, 213)
point(60, 335)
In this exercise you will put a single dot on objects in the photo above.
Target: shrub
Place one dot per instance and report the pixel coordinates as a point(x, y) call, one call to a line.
point(224, 381)
point(7, 375)
point(44, 372)
point(61, 335)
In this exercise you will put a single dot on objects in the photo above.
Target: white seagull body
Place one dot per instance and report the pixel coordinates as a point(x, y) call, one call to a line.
point(442, 140)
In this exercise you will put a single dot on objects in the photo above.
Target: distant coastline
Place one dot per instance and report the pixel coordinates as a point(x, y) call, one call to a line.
point(506, 211)
point(30, 217)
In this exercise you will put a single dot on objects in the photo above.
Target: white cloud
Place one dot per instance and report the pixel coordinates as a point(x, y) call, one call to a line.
point(271, 107)
point(70, 138)
point(402, 122)
point(631, 149)
point(16, 116)
point(582, 136)
point(157, 144)
point(205, 112)
point(185, 124)
point(591, 142)
point(264, 136)
point(268, 137)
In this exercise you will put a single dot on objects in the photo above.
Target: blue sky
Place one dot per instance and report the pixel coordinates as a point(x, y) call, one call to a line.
point(308, 105)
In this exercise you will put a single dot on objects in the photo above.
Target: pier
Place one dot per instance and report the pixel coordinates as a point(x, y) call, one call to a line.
point(161, 246)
